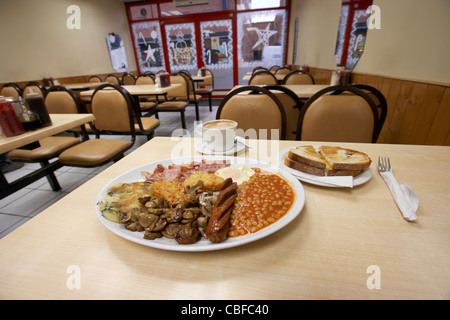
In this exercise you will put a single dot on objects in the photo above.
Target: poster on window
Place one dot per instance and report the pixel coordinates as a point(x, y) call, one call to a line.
point(116, 52)
point(217, 44)
point(148, 45)
point(181, 46)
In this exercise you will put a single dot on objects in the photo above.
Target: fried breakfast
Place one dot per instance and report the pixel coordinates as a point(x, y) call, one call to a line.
point(327, 161)
point(207, 199)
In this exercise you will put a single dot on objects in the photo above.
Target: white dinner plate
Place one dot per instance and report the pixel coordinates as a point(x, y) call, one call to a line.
point(203, 148)
point(203, 244)
point(365, 176)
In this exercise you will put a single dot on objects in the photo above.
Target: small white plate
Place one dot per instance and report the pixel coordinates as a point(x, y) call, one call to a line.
point(203, 244)
point(203, 148)
point(365, 176)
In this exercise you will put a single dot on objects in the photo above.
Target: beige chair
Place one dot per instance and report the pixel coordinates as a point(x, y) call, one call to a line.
point(147, 103)
point(339, 117)
point(262, 78)
point(274, 68)
point(259, 68)
point(291, 105)
point(282, 71)
point(298, 77)
point(378, 98)
point(192, 97)
point(128, 78)
point(177, 98)
point(113, 111)
point(112, 78)
point(94, 79)
point(34, 87)
point(258, 112)
point(206, 87)
point(58, 100)
point(12, 90)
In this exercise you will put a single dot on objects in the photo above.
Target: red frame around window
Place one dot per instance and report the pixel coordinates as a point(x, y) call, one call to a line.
point(360, 5)
point(196, 18)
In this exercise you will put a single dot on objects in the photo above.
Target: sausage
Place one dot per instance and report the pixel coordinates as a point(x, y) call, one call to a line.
point(219, 222)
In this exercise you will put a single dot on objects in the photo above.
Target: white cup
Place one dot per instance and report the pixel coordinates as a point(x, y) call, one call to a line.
point(218, 135)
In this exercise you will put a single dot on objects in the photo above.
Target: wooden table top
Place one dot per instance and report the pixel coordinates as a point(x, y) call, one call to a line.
point(84, 85)
point(146, 89)
point(60, 123)
point(301, 90)
point(345, 243)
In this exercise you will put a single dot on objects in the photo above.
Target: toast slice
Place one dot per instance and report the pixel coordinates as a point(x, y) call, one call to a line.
point(344, 159)
point(327, 161)
point(308, 156)
point(290, 163)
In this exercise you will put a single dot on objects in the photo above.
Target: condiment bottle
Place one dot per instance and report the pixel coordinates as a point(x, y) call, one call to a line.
point(9, 122)
point(37, 105)
point(29, 119)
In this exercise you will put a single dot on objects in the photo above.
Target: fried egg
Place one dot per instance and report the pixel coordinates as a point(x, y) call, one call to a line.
point(238, 174)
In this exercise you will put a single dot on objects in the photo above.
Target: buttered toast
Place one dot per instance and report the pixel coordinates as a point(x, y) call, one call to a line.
point(327, 161)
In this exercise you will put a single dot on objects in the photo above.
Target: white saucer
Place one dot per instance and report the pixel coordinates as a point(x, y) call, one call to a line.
point(204, 149)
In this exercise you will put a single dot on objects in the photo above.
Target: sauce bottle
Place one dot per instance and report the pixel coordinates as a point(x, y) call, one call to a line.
point(9, 121)
point(30, 120)
point(37, 105)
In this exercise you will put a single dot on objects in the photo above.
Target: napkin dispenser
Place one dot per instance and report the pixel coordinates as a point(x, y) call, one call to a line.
point(163, 80)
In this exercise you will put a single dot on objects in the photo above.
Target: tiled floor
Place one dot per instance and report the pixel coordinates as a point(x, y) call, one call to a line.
point(28, 202)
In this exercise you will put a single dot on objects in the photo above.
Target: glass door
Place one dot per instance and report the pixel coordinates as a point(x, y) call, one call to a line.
point(217, 51)
point(181, 47)
point(261, 40)
point(148, 46)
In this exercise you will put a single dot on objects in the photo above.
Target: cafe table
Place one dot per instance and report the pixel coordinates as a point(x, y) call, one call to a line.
point(303, 91)
point(139, 90)
point(345, 243)
point(279, 77)
point(83, 85)
point(60, 123)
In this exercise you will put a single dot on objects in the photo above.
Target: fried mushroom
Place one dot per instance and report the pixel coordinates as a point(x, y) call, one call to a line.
point(186, 234)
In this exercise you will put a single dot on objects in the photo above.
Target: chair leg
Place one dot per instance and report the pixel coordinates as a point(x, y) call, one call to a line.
point(51, 178)
point(210, 102)
point(183, 120)
point(197, 114)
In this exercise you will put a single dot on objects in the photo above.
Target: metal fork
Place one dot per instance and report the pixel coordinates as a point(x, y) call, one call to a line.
point(384, 164)
point(407, 204)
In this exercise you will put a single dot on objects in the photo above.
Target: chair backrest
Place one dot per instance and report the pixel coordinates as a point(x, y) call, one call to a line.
point(298, 77)
point(144, 79)
point(11, 90)
point(259, 68)
point(283, 70)
point(94, 79)
point(128, 78)
point(112, 78)
point(378, 98)
point(291, 104)
point(274, 68)
point(190, 82)
point(61, 99)
point(113, 109)
point(36, 87)
point(207, 82)
point(262, 78)
point(179, 91)
point(339, 117)
point(256, 110)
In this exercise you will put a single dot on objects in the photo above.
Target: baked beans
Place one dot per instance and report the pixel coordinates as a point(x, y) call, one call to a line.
point(261, 200)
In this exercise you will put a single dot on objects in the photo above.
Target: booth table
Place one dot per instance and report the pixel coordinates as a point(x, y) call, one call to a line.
point(340, 241)
point(60, 123)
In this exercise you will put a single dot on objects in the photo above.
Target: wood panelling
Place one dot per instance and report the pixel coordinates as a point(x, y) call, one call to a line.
point(418, 112)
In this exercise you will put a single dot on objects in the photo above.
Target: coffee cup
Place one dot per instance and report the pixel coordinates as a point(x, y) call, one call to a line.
point(218, 135)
